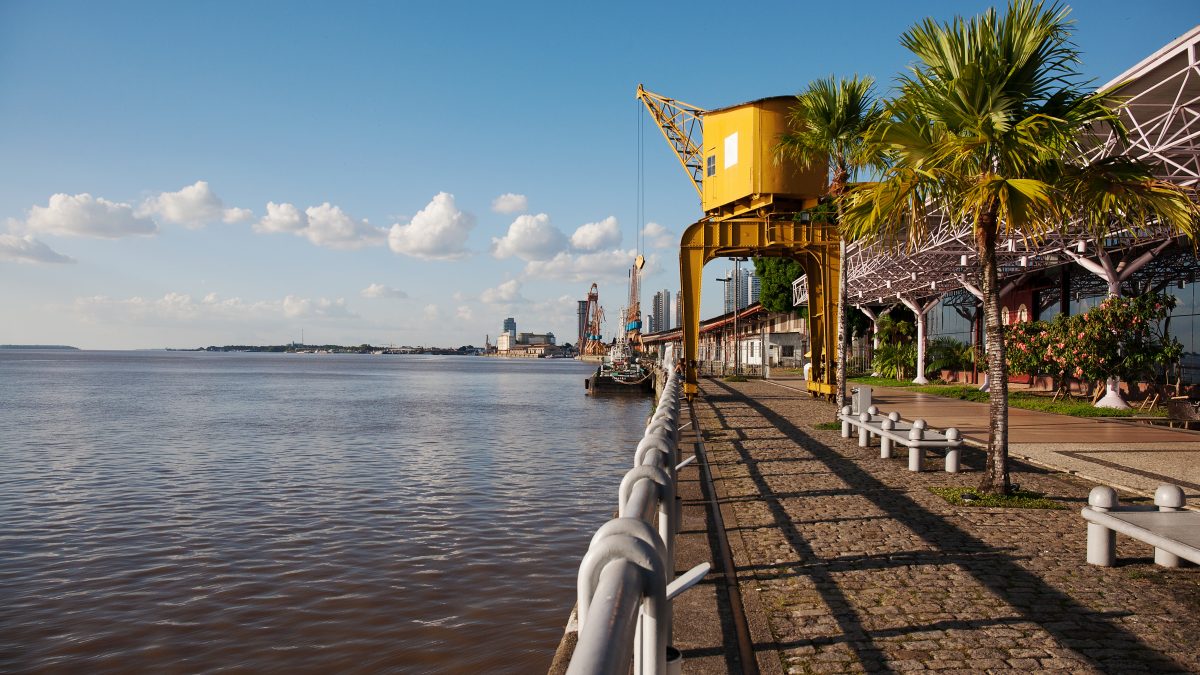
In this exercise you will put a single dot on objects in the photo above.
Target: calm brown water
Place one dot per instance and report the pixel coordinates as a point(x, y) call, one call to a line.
point(190, 512)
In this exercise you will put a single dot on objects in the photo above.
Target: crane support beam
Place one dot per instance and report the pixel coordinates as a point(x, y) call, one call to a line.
point(682, 125)
point(784, 235)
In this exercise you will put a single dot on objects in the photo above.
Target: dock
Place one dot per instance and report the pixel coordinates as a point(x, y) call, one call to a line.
point(841, 562)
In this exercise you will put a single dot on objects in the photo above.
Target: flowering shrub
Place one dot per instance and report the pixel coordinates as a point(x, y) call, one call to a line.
point(1120, 337)
point(1026, 344)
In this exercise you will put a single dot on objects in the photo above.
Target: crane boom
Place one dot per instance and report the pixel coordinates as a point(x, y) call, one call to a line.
point(682, 125)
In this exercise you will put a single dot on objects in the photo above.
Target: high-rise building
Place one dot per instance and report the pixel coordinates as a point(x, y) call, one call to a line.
point(510, 326)
point(742, 288)
point(755, 288)
point(660, 313)
point(583, 323)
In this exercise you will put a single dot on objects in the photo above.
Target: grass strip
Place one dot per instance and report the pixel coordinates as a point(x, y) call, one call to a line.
point(1019, 499)
point(1016, 399)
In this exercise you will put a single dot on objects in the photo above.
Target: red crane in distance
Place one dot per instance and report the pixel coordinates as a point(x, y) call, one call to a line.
point(593, 344)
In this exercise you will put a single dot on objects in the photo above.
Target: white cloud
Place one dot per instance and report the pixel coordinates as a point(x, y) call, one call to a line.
point(507, 292)
point(237, 215)
point(431, 313)
point(463, 313)
point(530, 238)
point(438, 231)
point(280, 218)
point(193, 207)
point(294, 307)
point(587, 267)
point(82, 215)
point(382, 291)
point(510, 203)
point(325, 225)
point(14, 248)
point(658, 236)
point(595, 236)
point(329, 226)
point(183, 307)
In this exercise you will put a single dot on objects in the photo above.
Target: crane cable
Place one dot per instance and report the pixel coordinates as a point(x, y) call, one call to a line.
point(641, 179)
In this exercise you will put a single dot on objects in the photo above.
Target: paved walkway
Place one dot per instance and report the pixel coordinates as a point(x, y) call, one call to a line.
point(847, 563)
point(1125, 454)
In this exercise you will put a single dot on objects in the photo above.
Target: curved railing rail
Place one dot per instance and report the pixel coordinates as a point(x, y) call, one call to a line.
point(624, 586)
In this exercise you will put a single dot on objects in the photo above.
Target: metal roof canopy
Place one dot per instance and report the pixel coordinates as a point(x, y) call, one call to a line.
point(1162, 115)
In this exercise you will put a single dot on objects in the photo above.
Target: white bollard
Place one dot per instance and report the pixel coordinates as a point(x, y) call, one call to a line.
point(952, 461)
point(1168, 498)
point(1101, 541)
point(864, 436)
point(885, 443)
point(845, 424)
point(916, 454)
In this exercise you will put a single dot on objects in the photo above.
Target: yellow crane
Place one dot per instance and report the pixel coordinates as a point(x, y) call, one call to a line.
point(755, 204)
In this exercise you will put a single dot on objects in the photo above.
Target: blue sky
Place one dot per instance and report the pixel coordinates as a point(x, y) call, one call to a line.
point(185, 174)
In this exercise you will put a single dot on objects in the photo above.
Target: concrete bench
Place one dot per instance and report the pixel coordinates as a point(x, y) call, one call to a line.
point(1172, 531)
point(917, 436)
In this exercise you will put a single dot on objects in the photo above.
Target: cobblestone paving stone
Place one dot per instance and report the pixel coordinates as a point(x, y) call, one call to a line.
point(862, 569)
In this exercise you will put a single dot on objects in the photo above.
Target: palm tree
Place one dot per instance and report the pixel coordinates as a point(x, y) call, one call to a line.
point(829, 124)
point(988, 127)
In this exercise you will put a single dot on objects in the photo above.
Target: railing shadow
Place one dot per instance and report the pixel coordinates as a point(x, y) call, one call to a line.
point(1071, 623)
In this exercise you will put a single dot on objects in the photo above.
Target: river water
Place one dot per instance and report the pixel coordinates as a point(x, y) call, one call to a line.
point(195, 512)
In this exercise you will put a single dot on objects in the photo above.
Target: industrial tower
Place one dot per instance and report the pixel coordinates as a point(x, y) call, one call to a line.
point(755, 204)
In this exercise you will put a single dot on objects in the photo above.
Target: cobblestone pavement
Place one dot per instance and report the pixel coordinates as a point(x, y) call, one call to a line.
point(859, 568)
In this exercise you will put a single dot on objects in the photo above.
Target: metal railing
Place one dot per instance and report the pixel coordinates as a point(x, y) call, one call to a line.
point(624, 598)
point(723, 369)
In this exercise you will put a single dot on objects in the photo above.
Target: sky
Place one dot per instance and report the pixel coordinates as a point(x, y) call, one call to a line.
point(189, 174)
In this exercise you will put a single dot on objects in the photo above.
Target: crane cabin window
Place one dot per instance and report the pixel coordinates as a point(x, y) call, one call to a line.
point(710, 166)
point(731, 150)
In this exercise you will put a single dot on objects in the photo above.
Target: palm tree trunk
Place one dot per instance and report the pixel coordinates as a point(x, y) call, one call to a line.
point(995, 479)
point(841, 325)
point(837, 188)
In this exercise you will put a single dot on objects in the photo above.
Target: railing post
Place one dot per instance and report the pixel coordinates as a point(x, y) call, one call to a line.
point(1101, 541)
point(1168, 498)
point(916, 454)
point(952, 451)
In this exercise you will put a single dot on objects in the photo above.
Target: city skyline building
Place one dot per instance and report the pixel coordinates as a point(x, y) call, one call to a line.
point(581, 312)
point(742, 288)
point(660, 313)
point(510, 326)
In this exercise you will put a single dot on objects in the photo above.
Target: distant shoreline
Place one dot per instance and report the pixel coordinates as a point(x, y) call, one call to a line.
point(58, 347)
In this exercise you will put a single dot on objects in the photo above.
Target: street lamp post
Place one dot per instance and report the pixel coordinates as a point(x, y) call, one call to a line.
point(725, 293)
point(737, 346)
